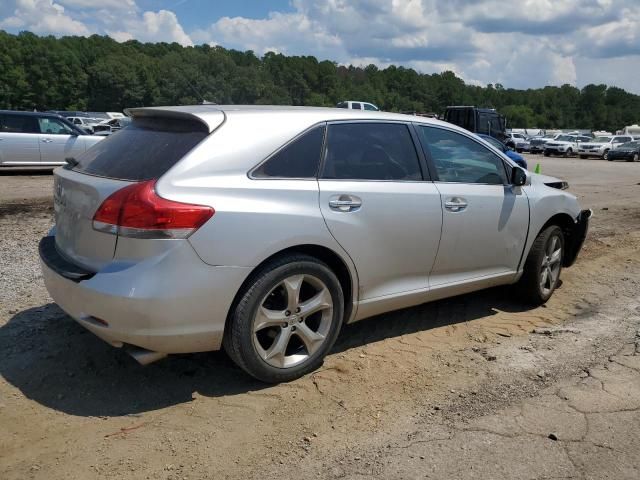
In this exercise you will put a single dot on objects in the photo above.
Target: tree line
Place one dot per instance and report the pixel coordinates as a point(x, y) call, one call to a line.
point(99, 74)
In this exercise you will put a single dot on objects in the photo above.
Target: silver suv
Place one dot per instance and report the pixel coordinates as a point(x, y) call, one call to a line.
point(38, 139)
point(265, 229)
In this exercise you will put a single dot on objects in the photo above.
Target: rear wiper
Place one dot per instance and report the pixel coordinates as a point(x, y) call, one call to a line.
point(71, 162)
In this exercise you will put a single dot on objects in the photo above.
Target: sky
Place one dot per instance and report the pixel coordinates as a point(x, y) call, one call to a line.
point(517, 43)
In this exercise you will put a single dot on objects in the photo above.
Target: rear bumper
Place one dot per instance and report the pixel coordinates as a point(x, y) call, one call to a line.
point(576, 240)
point(172, 303)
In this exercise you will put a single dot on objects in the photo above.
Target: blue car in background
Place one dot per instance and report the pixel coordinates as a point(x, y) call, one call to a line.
point(513, 155)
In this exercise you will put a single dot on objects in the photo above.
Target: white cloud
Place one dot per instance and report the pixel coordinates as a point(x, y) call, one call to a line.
point(162, 26)
point(527, 43)
point(43, 16)
point(100, 4)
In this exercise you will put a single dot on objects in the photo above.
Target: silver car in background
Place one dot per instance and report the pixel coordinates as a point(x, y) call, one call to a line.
point(264, 229)
point(39, 139)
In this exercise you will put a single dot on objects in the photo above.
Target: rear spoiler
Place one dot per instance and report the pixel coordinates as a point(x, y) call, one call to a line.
point(208, 115)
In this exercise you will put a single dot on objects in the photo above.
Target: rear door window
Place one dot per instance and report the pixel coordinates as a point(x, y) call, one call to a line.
point(356, 106)
point(144, 150)
point(19, 124)
point(298, 159)
point(371, 151)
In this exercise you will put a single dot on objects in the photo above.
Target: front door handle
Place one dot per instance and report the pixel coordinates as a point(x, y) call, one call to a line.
point(46, 140)
point(345, 203)
point(456, 204)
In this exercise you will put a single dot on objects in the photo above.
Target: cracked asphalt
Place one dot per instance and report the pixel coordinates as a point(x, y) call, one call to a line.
point(579, 428)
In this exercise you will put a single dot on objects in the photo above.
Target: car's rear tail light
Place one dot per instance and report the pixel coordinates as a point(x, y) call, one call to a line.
point(137, 211)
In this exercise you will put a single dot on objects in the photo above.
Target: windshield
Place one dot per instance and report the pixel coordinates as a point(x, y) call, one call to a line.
point(602, 139)
point(565, 138)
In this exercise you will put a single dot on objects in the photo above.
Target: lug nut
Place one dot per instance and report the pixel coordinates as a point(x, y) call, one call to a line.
point(293, 328)
point(298, 310)
point(287, 313)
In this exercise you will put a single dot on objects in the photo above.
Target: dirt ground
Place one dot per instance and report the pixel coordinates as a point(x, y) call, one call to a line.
point(475, 386)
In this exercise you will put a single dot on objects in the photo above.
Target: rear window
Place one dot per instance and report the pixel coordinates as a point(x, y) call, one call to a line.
point(144, 150)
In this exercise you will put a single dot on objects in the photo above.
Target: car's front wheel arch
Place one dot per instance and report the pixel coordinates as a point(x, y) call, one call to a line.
point(565, 222)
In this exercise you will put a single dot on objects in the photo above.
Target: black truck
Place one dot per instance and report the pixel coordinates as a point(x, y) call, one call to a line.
point(478, 120)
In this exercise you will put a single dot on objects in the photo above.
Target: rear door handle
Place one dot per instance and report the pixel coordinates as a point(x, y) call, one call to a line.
point(455, 204)
point(345, 203)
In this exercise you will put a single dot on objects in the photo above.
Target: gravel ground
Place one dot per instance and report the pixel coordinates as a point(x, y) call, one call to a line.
point(399, 397)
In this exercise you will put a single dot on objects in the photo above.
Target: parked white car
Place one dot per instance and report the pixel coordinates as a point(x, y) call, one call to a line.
point(85, 123)
point(31, 139)
point(355, 105)
point(600, 146)
point(565, 145)
point(518, 141)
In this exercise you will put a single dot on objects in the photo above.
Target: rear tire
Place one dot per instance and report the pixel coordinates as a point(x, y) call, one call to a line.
point(546, 154)
point(568, 153)
point(605, 155)
point(269, 335)
point(543, 267)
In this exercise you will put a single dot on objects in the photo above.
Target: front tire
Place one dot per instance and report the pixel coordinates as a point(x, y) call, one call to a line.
point(634, 158)
point(605, 156)
point(543, 267)
point(568, 153)
point(583, 157)
point(286, 320)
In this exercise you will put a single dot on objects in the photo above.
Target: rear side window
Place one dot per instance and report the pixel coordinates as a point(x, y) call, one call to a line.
point(459, 159)
point(356, 106)
point(144, 150)
point(298, 159)
point(371, 151)
point(19, 124)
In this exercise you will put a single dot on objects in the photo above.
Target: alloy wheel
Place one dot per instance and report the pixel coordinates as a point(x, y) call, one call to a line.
point(551, 263)
point(293, 321)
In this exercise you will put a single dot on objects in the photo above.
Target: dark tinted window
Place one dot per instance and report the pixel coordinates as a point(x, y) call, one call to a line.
point(457, 158)
point(298, 159)
point(143, 151)
point(371, 151)
point(356, 106)
point(19, 124)
point(343, 105)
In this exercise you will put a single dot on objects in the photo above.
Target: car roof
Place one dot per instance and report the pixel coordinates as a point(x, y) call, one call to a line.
point(31, 114)
point(210, 114)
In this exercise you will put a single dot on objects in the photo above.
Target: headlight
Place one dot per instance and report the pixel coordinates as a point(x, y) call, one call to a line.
point(562, 185)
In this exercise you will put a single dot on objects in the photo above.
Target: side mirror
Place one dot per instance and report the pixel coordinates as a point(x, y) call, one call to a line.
point(518, 177)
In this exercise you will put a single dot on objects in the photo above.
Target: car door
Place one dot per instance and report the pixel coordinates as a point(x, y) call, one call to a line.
point(485, 220)
point(379, 207)
point(58, 141)
point(19, 140)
